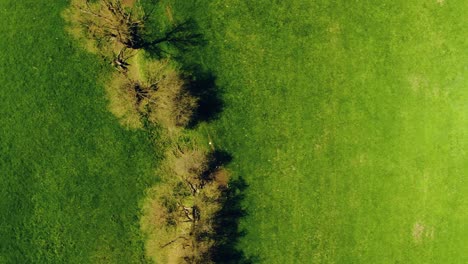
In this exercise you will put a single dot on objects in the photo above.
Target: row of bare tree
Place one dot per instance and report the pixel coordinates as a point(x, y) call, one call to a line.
point(179, 216)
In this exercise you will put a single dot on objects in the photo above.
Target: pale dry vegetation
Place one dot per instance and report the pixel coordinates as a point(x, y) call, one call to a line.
point(115, 30)
point(179, 214)
point(171, 105)
point(106, 26)
point(161, 97)
point(122, 101)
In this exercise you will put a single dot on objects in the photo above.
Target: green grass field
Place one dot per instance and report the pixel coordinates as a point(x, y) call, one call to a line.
point(70, 177)
point(347, 119)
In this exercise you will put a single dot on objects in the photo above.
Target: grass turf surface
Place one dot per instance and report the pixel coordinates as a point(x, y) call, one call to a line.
point(348, 120)
point(71, 177)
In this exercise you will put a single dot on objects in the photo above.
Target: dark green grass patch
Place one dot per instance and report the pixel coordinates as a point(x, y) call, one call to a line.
point(348, 121)
point(70, 177)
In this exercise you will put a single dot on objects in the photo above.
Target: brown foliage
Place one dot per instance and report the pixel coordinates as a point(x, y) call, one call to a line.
point(221, 176)
point(123, 101)
point(162, 98)
point(172, 105)
point(107, 23)
point(197, 191)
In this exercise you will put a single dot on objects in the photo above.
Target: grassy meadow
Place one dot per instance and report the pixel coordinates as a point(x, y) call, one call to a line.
point(348, 121)
point(71, 178)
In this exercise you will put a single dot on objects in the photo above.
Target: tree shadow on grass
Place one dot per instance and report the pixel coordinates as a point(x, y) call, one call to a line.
point(202, 85)
point(178, 42)
point(227, 228)
point(174, 42)
point(226, 222)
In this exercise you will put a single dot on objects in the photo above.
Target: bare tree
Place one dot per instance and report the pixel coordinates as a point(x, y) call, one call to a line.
point(109, 21)
point(112, 26)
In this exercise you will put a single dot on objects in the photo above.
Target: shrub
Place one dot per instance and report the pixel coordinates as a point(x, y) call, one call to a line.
point(106, 25)
point(161, 98)
point(123, 101)
point(189, 229)
point(171, 104)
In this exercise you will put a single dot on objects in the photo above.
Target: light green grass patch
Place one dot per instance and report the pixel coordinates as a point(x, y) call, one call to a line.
point(348, 121)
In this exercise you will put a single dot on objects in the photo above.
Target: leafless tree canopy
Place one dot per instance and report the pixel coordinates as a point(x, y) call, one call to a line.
point(109, 21)
point(191, 203)
point(112, 27)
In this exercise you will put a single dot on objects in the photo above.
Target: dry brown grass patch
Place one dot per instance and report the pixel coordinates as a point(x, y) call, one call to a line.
point(418, 230)
point(422, 232)
point(187, 163)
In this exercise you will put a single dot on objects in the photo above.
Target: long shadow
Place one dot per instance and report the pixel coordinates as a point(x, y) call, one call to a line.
point(226, 222)
point(174, 42)
point(202, 84)
point(227, 228)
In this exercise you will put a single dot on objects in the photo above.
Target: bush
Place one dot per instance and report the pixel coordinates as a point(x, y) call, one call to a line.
point(188, 230)
point(123, 101)
point(171, 104)
point(105, 26)
point(161, 98)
